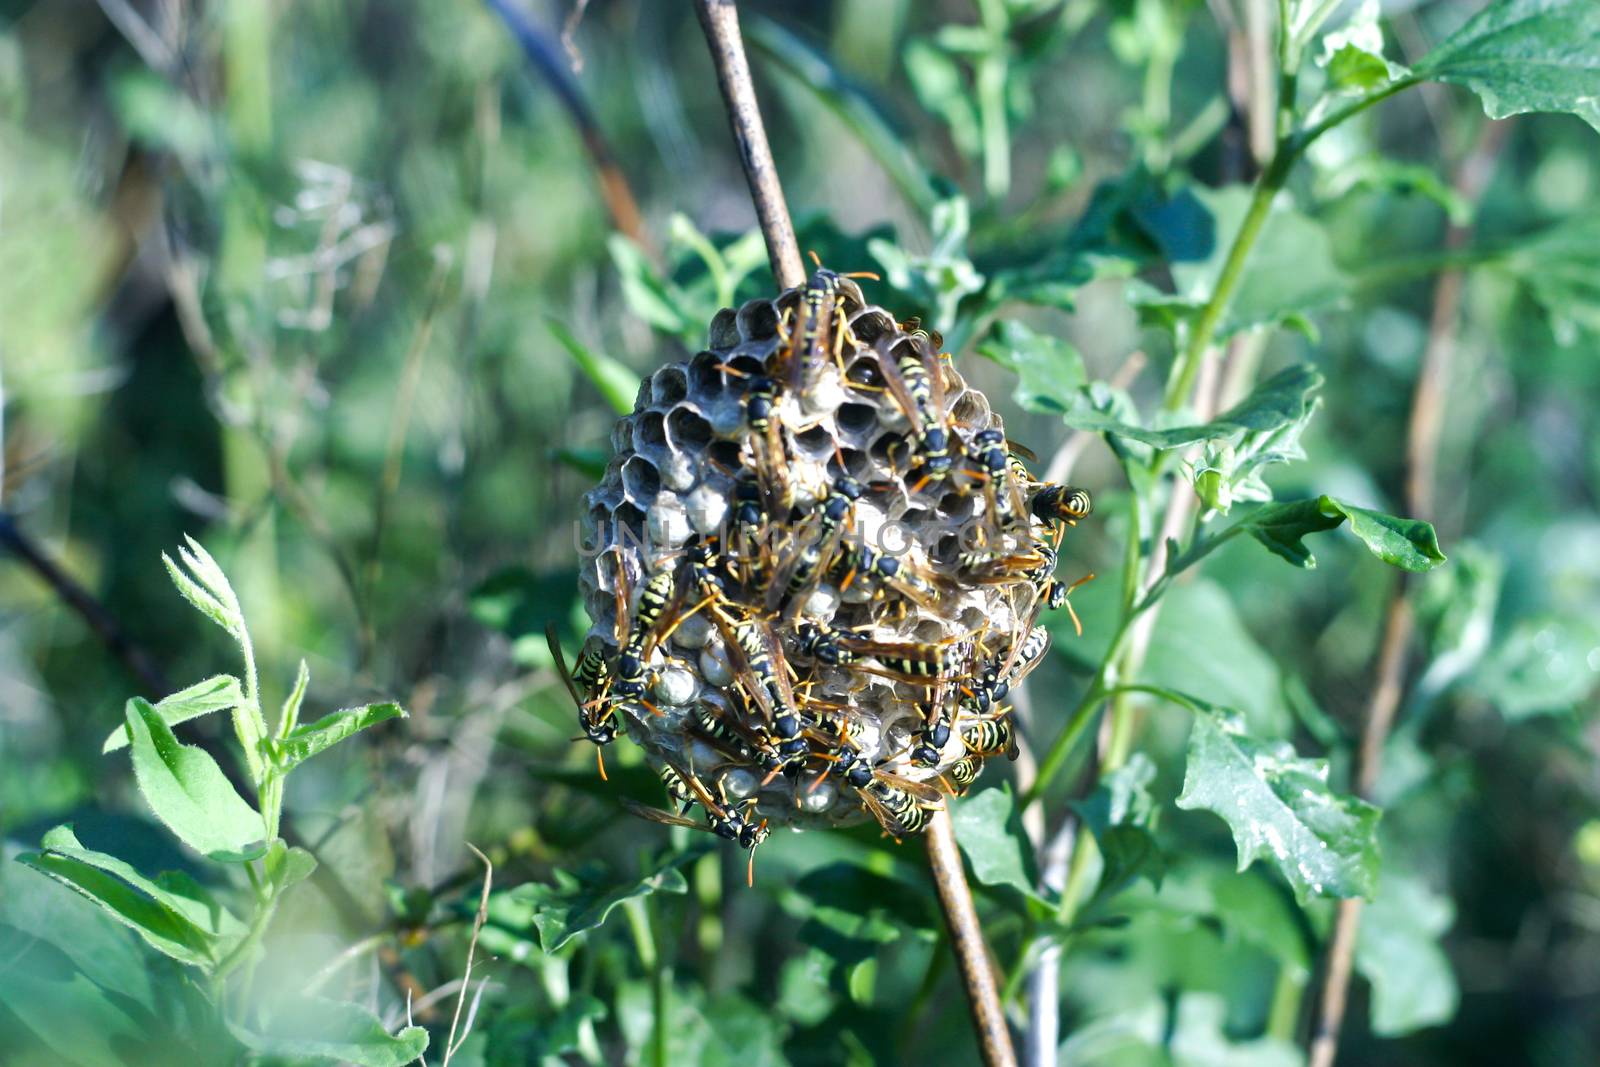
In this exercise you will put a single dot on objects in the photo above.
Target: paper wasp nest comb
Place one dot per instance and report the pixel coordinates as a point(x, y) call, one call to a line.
point(814, 570)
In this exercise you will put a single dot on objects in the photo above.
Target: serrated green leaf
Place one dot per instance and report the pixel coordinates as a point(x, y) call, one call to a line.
point(183, 925)
point(1525, 55)
point(579, 902)
point(306, 741)
point(618, 384)
point(989, 830)
point(1279, 806)
point(218, 693)
point(1409, 544)
point(320, 1029)
point(188, 792)
point(1049, 370)
point(1397, 950)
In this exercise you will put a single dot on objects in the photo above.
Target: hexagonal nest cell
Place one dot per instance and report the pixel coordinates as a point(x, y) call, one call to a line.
point(815, 567)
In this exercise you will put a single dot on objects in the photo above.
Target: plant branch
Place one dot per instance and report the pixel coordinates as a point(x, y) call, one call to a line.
point(1422, 454)
point(966, 938)
point(614, 187)
point(720, 20)
point(94, 614)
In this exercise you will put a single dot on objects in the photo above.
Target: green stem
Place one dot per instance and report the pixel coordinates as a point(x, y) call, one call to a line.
point(637, 910)
point(1205, 327)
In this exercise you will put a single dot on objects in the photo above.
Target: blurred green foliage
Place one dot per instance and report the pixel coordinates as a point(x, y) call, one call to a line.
point(332, 287)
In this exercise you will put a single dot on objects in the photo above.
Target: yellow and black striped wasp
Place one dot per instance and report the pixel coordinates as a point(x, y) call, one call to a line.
point(917, 662)
point(731, 822)
point(809, 561)
point(915, 379)
point(899, 804)
point(594, 714)
point(898, 573)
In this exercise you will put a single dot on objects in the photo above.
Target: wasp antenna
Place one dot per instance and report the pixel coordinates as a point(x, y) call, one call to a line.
point(814, 257)
point(750, 870)
point(862, 274)
point(600, 758)
point(1077, 624)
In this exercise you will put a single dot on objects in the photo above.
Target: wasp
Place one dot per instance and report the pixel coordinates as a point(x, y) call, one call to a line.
point(991, 458)
point(919, 662)
point(594, 715)
point(995, 679)
point(896, 802)
point(959, 776)
point(806, 567)
point(1059, 504)
point(901, 575)
point(730, 822)
point(734, 739)
point(916, 381)
point(902, 807)
point(758, 664)
point(932, 738)
point(991, 735)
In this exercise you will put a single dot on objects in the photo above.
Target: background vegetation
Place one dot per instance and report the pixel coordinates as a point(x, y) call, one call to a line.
point(316, 285)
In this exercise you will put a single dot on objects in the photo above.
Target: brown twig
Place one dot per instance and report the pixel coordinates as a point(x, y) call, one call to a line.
point(1422, 455)
point(966, 938)
point(721, 22)
point(720, 19)
point(614, 187)
point(95, 615)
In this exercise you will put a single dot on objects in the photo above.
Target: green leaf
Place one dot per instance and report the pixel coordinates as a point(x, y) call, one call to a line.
point(81, 1023)
point(188, 791)
point(618, 384)
point(1541, 667)
point(218, 693)
point(203, 584)
point(579, 902)
point(1278, 806)
point(1285, 399)
point(1409, 544)
point(321, 1029)
point(943, 276)
point(178, 919)
point(1397, 950)
point(306, 741)
point(589, 462)
point(1290, 272)
point(290, 715)
point(989, 829)
point(1353, 54)
point(1526, 55)
point(1121, 814)
point(287, 865)
point(1560, 268)
point(1049, 370)
point(647, 295)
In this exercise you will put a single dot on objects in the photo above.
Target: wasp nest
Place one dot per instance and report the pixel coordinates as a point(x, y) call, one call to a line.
point(814, 569)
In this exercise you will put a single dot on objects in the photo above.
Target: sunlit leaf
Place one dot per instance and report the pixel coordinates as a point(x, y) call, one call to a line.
point(990, 833)
point(178, 919)
point(618, 384)
point(1048, 369)
point(1525, 55)
point(214, 694)
point(1397, 950)
point(1409, 544)
point(188, 791)
point(1121, 814)
point(1353, 54)
point(1279, 806)
point(321, 1030)
point(1285, 399)
point(306, 741)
